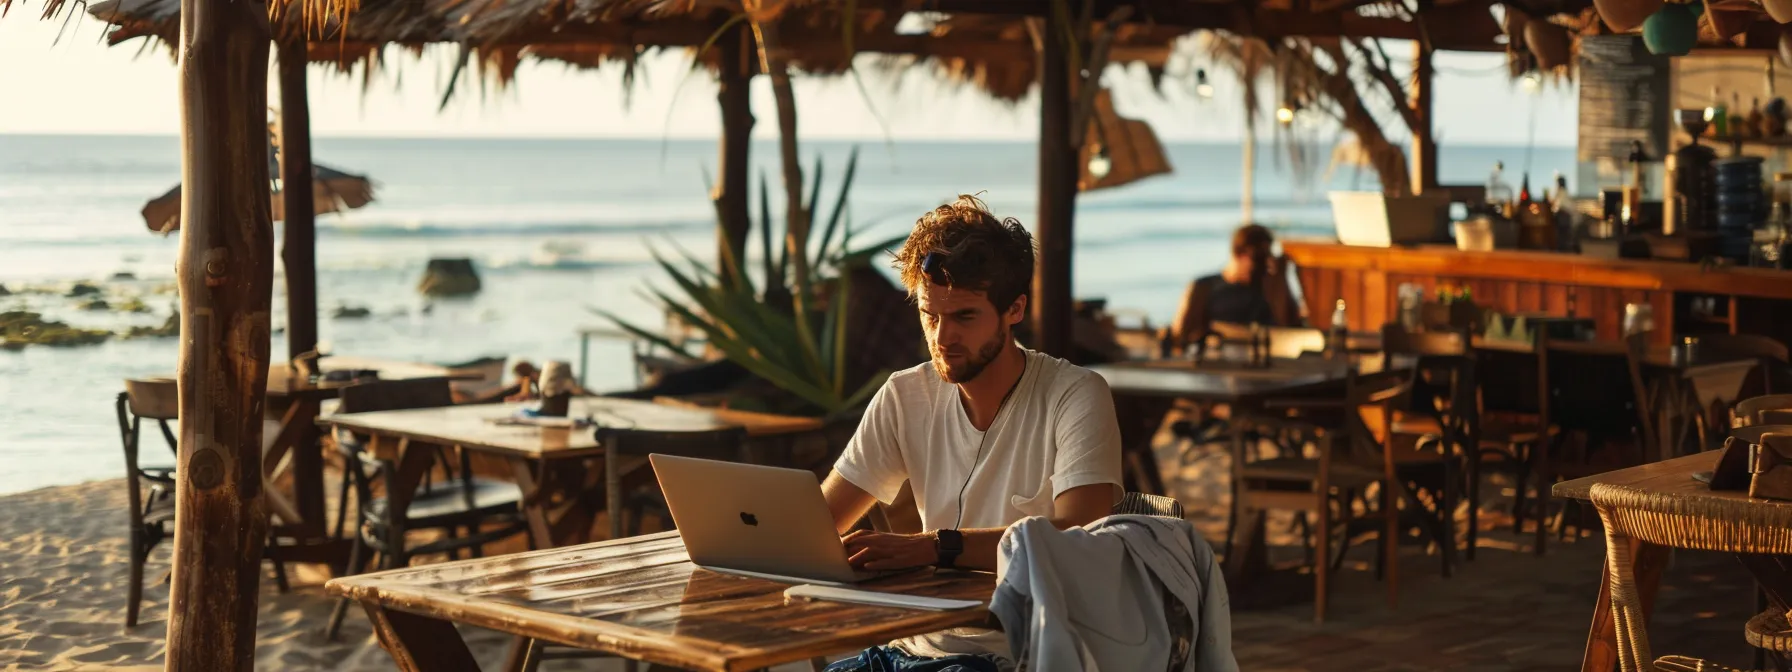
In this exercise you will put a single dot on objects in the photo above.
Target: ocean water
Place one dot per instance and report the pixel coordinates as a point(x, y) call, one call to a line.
point(556, 229)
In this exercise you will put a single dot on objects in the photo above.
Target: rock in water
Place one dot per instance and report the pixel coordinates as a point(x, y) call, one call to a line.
point(449, 277)
point(83, 289)
point(351, 312)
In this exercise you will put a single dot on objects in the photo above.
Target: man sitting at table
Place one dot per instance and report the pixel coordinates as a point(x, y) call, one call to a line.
point(987, 433)
point(1252, 288)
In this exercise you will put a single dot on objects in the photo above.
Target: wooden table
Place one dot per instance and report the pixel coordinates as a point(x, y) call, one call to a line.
point(1670, 478)
point(556, 503)
point(303, 515)
point(1145, 391)
point(1679, 391)
point(639, 598)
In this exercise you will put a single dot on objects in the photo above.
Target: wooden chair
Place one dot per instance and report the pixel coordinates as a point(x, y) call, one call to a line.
point(1438, 429)
point(1772, 376)
point(152, 514)
point(620, 444)
point(488, 510)
point(1354, 452)
point(1751, 411)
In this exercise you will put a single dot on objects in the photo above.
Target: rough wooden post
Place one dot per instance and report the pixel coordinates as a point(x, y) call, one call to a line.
point(226, 280)
point(734, 93)
point(1424, 144)
point(299, 252)
point(1057, 196)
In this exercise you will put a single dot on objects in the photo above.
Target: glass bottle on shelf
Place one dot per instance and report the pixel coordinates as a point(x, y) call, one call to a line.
point(1718, 115)
point(1499, 193)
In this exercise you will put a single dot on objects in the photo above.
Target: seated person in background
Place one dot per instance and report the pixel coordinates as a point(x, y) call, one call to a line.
point(987, 433)
point(1252, 288)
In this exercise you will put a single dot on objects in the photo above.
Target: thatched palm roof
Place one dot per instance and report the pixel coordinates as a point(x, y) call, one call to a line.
point(984, 43)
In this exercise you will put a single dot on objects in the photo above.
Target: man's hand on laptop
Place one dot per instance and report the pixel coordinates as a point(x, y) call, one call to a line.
point(882, 550)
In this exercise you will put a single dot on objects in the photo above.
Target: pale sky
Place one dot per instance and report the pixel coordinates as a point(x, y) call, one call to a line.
point(75, 84)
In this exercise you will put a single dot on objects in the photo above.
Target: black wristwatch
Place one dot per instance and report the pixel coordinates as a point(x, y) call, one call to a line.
point(949, 544)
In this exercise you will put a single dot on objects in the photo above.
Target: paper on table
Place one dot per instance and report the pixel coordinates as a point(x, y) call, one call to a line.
point(832, 594)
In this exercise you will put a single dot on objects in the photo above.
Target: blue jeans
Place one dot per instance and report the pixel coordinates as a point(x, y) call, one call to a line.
point(889, 659)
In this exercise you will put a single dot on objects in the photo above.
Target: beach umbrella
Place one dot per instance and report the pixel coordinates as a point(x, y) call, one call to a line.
point(332, 190)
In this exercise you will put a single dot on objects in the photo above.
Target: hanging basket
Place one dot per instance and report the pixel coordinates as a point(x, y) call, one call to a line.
point(1626, 15)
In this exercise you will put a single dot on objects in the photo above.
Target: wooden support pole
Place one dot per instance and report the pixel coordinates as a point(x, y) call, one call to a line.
point(226, 279)
point(1424, 144)
point(299, 254)
point(1057, 195)
point(299, 251)
point(734, 82)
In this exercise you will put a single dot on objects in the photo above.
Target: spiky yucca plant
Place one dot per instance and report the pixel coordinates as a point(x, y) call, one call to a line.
point(768, 332)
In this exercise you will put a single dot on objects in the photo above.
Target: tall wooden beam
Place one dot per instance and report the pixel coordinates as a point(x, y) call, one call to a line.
point(299, 251)
point(734, 80)
point(1424, 141)
point(1052, 300)
point(299, 255)
point(226, 279)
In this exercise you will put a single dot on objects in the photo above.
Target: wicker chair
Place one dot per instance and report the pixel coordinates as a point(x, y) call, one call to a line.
point(1726, 525)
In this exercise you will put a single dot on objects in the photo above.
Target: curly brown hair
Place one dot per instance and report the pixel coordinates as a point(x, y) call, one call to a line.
point(982, 253)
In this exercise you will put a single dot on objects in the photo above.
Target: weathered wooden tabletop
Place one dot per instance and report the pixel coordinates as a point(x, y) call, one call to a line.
point(282, 384)
point(471, 426)
point(640, 598)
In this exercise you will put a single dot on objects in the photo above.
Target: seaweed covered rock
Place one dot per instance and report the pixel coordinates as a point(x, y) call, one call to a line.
point(449, 277)
point(94, 304)
point(83, 289)
point(171, 327)
point(19, 328)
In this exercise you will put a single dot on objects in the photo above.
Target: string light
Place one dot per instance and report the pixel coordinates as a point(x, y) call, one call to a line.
point(1285, 114)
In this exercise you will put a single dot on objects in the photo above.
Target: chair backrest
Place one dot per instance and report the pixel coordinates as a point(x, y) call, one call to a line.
point(157, 398)
point(1749, 411)
point(727, 443)
point(396, 395)
point(1141, 504)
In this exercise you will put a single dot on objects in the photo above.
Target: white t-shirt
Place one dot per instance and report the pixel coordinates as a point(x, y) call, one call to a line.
point(1057, 431)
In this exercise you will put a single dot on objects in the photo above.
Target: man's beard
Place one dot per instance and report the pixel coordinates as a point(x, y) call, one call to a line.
point(973, 364)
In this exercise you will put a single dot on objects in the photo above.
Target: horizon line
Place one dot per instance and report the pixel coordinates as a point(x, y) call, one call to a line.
point(713, 138)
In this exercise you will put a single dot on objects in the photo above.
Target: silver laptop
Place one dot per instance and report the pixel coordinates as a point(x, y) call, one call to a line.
point(754, 520)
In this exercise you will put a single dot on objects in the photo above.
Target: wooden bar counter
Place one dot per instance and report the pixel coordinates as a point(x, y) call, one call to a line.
point(1748, 300)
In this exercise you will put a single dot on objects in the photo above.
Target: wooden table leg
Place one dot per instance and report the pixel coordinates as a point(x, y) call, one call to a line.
point(1647, 561)
point(304, 512)
point(419, 643)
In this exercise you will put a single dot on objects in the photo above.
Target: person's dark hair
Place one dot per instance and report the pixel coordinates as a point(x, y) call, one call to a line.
point(972, 250)
point(1252, 237)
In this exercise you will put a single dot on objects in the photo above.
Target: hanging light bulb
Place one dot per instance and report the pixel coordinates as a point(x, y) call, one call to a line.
point(1099, 163)
point(1202, 87)
point(1285, 114)
point(1532, 81)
